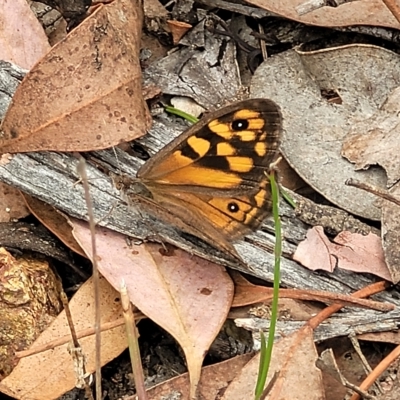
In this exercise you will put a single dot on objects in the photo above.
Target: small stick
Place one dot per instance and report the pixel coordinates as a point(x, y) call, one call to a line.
point(384, 194)
point(82, 378)
point(133, 344)
point(96, 277)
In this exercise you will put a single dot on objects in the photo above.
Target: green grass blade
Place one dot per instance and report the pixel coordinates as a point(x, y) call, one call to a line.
point(266, 353)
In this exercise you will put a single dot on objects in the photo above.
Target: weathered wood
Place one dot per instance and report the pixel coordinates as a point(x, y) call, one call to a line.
point(341, 324)
point(53, 178)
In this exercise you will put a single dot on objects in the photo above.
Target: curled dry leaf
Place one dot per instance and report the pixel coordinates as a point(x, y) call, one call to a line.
point(85, 94)
point(353, 252)
point(187, 296)
point(205, 61)
point(375, 140)
point(178, 30)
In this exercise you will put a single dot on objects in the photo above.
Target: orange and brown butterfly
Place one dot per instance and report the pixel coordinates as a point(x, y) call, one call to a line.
point(211, 180)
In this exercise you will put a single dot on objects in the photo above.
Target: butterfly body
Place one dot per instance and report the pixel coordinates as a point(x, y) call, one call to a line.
point(211, 180)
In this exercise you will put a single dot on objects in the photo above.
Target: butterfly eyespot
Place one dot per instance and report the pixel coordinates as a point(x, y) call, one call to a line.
point(240, 125)
point(233, 207)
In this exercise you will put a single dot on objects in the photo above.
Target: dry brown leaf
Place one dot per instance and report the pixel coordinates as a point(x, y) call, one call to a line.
point(85, 94)
point(56, 367)
point(178, 30)
point(214, 379)
point(55, 221)
point(294, 358)
point(12, 204)
point(22, 38)
point(187, 296)
point(370, 12)
point(353, 252)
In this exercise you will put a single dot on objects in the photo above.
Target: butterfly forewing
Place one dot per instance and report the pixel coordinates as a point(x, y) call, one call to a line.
point(227, 149)
point(215, 171)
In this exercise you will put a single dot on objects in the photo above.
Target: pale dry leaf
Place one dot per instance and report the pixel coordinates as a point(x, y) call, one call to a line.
point(370, 12)
point(85, 94)
point(22, 38)
point(351, 251)
point(314, 128)
point(294, 359)
point(314, 252)
point(214, 379)
point(187, 296)
point(187, 105)
point(55, 365)
point(375, 140)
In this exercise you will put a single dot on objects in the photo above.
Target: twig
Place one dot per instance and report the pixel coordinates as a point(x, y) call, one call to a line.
point(364, 361)
point(82, 378)
point(133, 338)
point(327, 363)
point(96, 277)
point(384, 194)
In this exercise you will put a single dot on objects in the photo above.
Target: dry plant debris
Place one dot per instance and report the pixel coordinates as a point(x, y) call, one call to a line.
point(340, 121)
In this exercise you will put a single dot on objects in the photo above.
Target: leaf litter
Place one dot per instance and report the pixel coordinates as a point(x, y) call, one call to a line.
point(319, 70)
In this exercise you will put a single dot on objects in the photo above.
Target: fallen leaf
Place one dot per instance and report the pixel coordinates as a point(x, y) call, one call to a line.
point(57, 374)
point(293, 358)
point(371, 12)
point(214, 379)
point(85, 94)
point(187, 296)
point(374, 140)
point(246, 293)
point(353, 252)
point(55, 221)
point(22, 38)
point(12, 204)
point(318, 127)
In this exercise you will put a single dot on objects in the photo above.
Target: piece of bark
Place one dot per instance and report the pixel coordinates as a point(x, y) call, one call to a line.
point(332, 219)
point(341, 324)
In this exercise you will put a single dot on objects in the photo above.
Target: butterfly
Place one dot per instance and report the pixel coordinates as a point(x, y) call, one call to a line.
point(211, 182)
